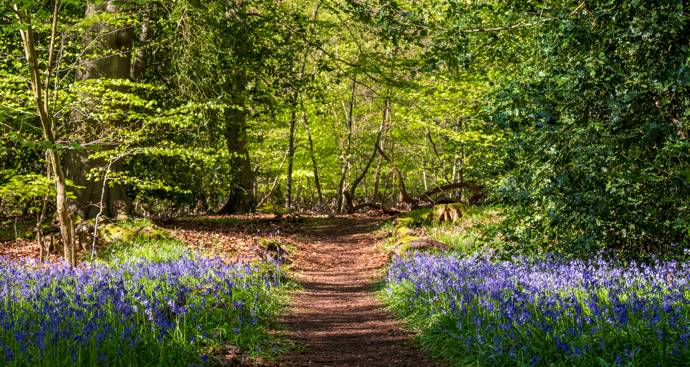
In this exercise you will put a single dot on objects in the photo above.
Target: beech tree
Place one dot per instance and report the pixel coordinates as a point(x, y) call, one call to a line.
point(106, 55)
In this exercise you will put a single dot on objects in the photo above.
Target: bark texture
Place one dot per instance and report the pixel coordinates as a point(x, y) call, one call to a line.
point(108, 50)
point(241, 195)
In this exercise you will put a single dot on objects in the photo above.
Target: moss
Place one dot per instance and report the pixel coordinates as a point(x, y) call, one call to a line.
point(413, 219)
point(152, 233)
point(404, 222)
point(446, 213)
point(403, 236)
point(111, 233)
point(419, 216)
point(130, 230)
point(403, 231)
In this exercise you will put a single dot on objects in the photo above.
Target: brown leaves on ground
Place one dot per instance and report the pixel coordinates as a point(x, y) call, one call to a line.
point(24, 249)
point(235, 237)
point(231, 237)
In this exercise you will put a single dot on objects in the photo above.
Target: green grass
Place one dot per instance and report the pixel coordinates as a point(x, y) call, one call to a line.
point(476, 231)
point(141, 248)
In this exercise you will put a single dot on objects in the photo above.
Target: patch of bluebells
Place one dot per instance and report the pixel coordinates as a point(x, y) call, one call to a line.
point(548, 311)
point(133, 313)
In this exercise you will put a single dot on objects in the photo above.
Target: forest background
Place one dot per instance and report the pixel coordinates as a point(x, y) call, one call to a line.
point(572, 116)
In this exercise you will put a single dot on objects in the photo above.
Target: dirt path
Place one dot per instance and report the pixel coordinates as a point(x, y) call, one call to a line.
point(336, 318)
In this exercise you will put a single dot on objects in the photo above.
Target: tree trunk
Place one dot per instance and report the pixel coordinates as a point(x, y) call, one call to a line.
point(42, 104)
point(64, 218)
point(376, 195)
point(291, 153)
point(138, 64)
point(404, 196)
point(424, 181)
point(350, 193)
point(348, 144)
point(107, 56)
point(462, 164)
point(310, 143)
point(293, 117)
point(241, 196)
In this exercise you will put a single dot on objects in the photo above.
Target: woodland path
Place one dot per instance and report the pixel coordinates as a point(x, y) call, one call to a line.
point(336, 319)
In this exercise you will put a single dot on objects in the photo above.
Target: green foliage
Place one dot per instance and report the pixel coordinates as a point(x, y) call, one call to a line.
point(141, 248)
point(20, 194)
point(599, 155)
point(574, 114)
point(479, 230)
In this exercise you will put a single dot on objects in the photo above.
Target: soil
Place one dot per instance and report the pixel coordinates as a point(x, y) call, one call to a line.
point(336, 318)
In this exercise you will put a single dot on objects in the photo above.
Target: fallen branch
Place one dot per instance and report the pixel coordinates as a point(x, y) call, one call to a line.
point(473, 186)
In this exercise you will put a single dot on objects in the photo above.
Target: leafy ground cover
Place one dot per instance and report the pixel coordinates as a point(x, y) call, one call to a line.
point(552, 311)
point(478, 229)
point(140, 303)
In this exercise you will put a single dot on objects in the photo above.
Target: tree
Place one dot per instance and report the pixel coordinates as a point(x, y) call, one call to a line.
point(241, 78)
point(600, 148)
point(106, 56)
point(42, 96)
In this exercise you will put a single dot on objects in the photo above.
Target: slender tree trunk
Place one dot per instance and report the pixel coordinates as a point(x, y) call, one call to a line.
point(273, 186)
point(462, 164)
point(404, 196)
point(62, 211)
point(350, 193)
point(426, 186)
point(454, 173)
point(376, 195)
point(41, 218)
point(310, 144)
point(104, 189)
point(293, 113)
point(291, 154)
point(348, 145)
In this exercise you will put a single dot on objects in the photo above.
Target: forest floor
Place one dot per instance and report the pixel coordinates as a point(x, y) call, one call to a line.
point(336, 319)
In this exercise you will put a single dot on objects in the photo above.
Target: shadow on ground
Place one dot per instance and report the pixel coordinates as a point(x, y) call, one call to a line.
point(336, 317)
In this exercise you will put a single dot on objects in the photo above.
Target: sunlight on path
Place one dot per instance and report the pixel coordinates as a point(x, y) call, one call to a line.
point(336, 318)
